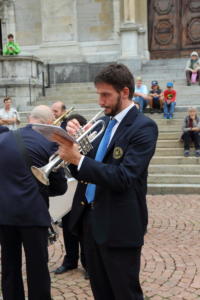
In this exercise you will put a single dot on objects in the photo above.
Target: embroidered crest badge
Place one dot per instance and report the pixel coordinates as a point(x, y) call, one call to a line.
point(117, 153)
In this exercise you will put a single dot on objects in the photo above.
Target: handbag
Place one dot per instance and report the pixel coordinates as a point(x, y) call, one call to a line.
point(193, 77)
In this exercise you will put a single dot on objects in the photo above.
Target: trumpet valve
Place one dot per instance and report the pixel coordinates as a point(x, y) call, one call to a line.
point(85, 145)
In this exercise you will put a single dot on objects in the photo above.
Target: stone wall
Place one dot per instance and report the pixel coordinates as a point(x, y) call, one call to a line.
point(74, 72)
point(94, 20)
point(77, 36)
point(58, 20)
point(21, 79)
point(28, 22)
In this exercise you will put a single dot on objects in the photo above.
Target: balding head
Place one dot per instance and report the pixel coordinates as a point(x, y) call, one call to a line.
point(41, 114)
point(58, 108)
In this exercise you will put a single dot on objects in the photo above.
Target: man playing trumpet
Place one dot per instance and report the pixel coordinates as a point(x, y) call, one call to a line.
point(110, 201)
point(60, 113)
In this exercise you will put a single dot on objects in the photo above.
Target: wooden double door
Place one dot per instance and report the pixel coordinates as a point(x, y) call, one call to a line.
point(173, 27)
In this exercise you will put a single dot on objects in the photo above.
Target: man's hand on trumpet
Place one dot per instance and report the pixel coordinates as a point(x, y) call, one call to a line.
point(67, 150)
point(73, 127)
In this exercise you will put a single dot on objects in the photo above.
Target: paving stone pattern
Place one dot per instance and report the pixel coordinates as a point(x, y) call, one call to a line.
point(170, 266)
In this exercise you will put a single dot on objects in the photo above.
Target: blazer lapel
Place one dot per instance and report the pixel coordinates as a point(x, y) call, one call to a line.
point(128, 120)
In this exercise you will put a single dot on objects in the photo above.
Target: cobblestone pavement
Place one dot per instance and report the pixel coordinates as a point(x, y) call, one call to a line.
point(170, 259)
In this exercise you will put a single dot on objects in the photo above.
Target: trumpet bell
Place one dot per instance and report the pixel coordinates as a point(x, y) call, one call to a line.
point(40, 175)
point(84, 140)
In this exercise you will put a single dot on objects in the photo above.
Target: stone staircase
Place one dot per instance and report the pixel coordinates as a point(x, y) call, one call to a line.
point(169, 171)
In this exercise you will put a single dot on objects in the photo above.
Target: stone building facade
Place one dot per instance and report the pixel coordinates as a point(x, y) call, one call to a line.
point(76, 37)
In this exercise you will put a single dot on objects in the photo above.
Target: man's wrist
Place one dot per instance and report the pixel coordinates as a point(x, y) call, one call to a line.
point(80, 162)
point(75, 161)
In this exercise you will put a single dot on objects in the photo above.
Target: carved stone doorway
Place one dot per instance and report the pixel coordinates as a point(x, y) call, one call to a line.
point(173, 27)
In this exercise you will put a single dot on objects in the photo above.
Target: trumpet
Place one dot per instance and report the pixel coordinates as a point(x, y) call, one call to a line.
point(83, 138)
point(58, 121)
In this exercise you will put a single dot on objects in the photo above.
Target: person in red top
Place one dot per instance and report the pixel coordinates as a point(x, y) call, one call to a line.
point(169, 101)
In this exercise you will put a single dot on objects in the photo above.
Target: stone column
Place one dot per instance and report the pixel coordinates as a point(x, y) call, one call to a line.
point(129, 35)
point(7, 16)
point(129, 11)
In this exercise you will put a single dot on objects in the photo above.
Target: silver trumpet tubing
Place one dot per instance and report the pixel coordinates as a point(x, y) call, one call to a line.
point(83, 138)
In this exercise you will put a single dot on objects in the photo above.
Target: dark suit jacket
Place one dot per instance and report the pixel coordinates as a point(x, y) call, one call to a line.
point(24, 201)
point(119, 217)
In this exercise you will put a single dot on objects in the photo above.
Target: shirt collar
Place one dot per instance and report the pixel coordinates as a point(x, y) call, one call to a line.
point(119, 117)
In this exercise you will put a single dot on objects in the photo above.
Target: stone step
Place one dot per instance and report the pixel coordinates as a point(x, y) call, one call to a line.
point(170, 128)
point(70, 97)
point(73, 84)
point(70, 91)
point(172, 122)
point(173, 179)
point(163, 189)
point(175, 160)
point(187, 101)
point(67, 101)
point(169, 152)
point(182, 90)
point(177, 115)
point(179, 169)
point(169, 136)
point(169, 144)
point(165, 76)
point(179, 85)
point(184, 107)
point(165, 61)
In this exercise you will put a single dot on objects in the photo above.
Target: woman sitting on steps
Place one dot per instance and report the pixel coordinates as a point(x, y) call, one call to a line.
point(191, 130)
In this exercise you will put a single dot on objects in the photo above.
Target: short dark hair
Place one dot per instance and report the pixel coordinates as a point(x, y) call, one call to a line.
point(117, 75)
point(6, 99)
point(10, 35)
point(78, 117)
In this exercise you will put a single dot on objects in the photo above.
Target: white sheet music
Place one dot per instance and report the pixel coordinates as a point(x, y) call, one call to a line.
point(49, 130)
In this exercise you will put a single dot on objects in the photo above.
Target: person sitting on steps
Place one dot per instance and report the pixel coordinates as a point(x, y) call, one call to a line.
point(141, 94)
point(155, 97)
point(191, 129)
point(169, 101)
point(192, 69)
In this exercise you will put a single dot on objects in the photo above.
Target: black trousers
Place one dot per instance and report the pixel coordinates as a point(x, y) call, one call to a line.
point(114, 272)
point(34, 241)
point(72, 246)
point(189, 136)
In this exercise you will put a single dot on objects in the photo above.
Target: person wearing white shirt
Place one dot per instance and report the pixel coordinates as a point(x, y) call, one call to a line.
point(9, 116)
point(141, 94)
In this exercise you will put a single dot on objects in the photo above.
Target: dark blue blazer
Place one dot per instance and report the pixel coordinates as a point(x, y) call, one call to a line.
point(23, 200)
point(119, 218)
